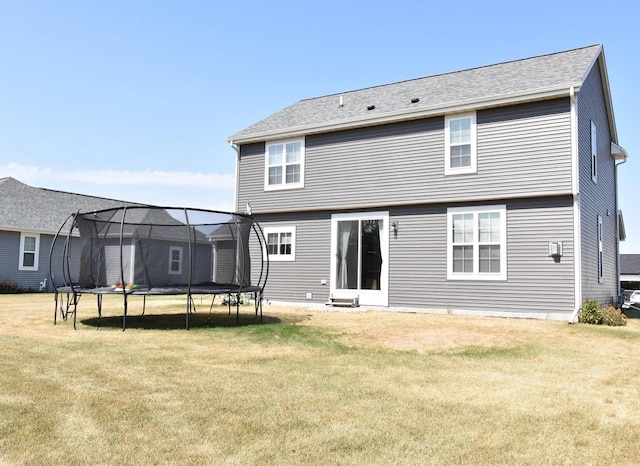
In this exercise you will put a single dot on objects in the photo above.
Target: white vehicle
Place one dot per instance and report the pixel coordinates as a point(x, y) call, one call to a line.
point(634, 299)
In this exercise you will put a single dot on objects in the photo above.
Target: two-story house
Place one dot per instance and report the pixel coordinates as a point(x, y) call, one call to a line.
point(488, 190)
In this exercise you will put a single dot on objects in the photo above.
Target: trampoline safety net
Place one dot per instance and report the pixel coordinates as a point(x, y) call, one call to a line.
point(153, 250)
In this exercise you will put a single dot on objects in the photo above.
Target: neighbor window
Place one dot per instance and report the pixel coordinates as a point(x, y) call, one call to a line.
point(175, 260)
point(29, 251)
point(284, 164)
point(281, 243)
point(476, 243)
point(594, 152)
point(600, 249)
point(460, 143)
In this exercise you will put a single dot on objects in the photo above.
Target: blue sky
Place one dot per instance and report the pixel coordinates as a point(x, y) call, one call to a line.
point(134, 100)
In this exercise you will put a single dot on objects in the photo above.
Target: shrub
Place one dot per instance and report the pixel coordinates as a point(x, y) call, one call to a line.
point(590, 312)
point(7, 287)
point(613, 316)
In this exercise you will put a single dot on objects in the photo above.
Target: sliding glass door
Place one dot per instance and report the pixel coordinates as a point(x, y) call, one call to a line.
point(360, 253)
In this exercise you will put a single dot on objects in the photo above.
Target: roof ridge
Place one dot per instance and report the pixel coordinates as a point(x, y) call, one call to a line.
point(86, 195)
point(451, 72)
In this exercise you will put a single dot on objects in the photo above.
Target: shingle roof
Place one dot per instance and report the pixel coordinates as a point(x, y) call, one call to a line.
point(26, 208)
point(528, 76)
point(630, 264)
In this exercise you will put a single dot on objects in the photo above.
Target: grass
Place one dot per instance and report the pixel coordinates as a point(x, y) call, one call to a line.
point(307, 387)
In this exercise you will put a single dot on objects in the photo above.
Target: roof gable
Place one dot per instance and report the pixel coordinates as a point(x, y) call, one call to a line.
point(521, 79)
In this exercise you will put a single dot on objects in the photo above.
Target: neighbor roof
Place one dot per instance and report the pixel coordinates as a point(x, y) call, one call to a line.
point(539, 77)
point(630, 264)
point(39, 210)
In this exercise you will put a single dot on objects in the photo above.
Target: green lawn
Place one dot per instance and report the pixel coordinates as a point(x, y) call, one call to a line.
point(308, 387)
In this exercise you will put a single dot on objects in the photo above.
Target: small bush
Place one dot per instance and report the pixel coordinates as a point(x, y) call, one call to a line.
point(612, 316)
point(590, 312)
point(7, 287)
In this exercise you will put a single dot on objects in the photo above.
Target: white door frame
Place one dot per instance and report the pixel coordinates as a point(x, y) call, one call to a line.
point(366, 297)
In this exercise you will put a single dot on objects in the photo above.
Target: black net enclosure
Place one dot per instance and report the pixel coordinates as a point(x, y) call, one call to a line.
point(142, 250)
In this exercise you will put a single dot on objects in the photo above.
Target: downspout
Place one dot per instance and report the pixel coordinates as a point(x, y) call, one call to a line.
point(575, 186)
point(615, 177)
point(235, 188)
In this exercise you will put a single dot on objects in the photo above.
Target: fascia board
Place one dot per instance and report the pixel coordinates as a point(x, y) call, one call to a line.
point(606, 90)
point(391, 117)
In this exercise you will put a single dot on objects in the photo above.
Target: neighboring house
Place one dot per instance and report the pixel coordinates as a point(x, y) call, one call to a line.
point(490, 190)
point(630, 271)
point(29, 219)
point(153, 249)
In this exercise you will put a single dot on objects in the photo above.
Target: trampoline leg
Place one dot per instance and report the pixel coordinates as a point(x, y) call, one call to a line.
point(99, 311)
point(144, 303)
point(211, 309)
point(237, 309)
point(124, 315)
point(55, 312)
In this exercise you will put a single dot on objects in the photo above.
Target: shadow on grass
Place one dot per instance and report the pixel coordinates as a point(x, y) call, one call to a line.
point(178, 321)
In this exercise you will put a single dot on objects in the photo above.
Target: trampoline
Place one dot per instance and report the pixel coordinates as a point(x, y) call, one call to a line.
point(144, 250)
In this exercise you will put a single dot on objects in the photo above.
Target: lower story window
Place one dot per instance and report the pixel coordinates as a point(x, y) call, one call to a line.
point(600, 250)
point(476, 243)
point(281, 243)
point(175, 260)
point(29, 251)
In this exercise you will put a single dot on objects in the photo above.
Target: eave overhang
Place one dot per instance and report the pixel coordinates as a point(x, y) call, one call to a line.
point(424, 112)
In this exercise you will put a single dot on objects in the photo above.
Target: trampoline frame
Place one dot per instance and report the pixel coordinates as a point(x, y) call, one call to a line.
point(73, 291)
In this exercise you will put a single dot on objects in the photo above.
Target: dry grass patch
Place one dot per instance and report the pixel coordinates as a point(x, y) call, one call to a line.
point(309, 387)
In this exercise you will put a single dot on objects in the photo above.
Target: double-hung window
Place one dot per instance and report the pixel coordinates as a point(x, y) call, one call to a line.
point(460, 143)
point(284, 164)
point(175, 260)
point(281, 243)
point(476, 243)
point(594, 152)
point(29, 251)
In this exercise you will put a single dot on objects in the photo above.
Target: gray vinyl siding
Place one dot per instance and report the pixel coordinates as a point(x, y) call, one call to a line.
point(418, 261)
point(535, 282)
point(30, 279)
point(291, 281)
point(596, 198)
point(403, 163)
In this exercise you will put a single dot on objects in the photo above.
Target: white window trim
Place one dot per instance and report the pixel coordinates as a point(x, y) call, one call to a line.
point(36, 258)
point(600, 249)
point(284, 185)
point(281, 257)
point(476, 275)
point(473, 168)
point(171, 249)
point(594, 152)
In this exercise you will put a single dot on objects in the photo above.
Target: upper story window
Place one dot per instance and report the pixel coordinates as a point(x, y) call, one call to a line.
point(284, 164)
point(175, 260)
point(477, 243)
point(594, 152)
point(281, 243)
point(29, 251)
point(460, 143)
